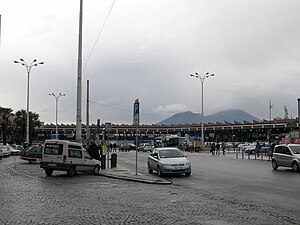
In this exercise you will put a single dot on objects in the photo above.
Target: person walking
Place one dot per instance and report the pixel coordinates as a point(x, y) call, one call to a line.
point(217, 149)
point(223, 148)
point(272, 148)
point(213, 148)
point(257, 148)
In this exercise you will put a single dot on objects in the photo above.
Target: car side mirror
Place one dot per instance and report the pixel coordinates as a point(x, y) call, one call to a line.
point(155, 155)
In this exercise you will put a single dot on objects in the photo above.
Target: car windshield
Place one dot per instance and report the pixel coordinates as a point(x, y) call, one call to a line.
point(170, 153)
point(296, 149)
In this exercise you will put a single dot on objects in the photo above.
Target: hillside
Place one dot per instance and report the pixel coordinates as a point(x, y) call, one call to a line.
point(228, 116)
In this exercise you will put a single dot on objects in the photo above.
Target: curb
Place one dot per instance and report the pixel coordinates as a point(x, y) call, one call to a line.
point(137, 179)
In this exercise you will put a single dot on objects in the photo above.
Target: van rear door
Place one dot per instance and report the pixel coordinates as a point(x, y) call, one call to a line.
point(53, 152)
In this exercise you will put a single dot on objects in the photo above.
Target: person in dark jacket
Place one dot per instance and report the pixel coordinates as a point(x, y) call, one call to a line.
point(213, 148)
point(272, 148)
point(257, 148)
point(218, 148)
point(93, 150)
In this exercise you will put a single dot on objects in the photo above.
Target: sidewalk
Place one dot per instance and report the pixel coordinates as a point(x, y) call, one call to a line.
point(121, 172)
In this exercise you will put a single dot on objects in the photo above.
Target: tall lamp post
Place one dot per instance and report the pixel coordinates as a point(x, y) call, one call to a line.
point(28, 69)
point(202, 78)
point(56, 109)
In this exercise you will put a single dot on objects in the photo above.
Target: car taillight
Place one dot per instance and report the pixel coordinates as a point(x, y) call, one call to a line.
point(65, 158)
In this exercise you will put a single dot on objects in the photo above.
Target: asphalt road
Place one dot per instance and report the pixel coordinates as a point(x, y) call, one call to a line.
point(220, 191)
point(239, 179)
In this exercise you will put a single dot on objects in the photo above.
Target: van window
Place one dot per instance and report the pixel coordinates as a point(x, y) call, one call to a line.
point(86, 155)
point(74, 153)
point(53, 149)
point(75, 146)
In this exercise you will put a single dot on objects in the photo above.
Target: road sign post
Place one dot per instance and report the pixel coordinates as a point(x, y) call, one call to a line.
point(136, 122)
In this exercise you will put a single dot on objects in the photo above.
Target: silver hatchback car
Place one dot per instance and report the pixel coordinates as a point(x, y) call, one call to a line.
point(168, 161)
point(287, 156)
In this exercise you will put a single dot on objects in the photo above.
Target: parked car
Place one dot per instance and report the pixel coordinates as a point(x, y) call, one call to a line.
point(32, 154)
point(1, 152)
point(168, 161)
point(67, 156)
point(250, 149)
point(14, 151)
point(127, 147)
point(287, 156)
point(145, 147)
point(265, 150)
point(6, 151)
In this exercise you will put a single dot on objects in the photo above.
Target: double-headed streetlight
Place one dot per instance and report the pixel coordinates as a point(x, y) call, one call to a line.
point(202, 78)
point(56, 109)
point(28, 69)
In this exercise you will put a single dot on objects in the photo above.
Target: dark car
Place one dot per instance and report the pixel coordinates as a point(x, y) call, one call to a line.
point(127, 147)
point(32, 154)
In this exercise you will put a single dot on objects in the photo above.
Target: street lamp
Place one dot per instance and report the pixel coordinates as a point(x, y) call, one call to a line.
point(28, 69)
point(56, 109)
point(202, 78)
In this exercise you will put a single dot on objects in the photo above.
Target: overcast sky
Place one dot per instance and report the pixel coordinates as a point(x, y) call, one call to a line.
point(147, 50)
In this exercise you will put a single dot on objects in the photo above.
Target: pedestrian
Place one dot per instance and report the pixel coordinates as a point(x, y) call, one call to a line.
point(257, 148)
point(213, 148)
point(272, 148)
point(93, 150)
point(217, 149)
point(223, 148)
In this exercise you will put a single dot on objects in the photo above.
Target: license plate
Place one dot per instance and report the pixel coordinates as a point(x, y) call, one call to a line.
point(51, 164)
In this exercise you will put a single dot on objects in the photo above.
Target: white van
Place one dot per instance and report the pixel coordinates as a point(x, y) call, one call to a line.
point(67, 156)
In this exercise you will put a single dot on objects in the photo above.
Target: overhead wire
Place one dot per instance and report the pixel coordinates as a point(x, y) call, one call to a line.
point(120, 109)
point(100, 32)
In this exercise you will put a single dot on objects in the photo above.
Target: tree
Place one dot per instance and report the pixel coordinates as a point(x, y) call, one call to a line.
point(6, 116)
point(20, 125)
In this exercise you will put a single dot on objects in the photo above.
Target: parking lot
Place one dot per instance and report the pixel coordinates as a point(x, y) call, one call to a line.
point(221, 190)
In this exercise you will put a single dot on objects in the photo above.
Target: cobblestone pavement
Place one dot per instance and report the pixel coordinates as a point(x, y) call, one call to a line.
point(29, 197)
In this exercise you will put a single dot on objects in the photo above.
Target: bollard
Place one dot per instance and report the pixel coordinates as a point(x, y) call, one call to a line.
point(243, 154)
point(113, 160)
point(236, 155)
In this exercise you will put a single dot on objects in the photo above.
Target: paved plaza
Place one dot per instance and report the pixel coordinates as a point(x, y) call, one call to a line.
point(29, 197)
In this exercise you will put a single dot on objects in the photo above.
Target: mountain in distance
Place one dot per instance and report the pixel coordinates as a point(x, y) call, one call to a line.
point(225, 116)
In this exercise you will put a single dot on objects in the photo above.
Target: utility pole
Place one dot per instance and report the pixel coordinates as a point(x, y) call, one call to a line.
point(299, 116)
point(87, 126)
point(79, 79)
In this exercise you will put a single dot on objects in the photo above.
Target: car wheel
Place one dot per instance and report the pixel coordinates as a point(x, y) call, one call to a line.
point(159, 172)
point(295, 167)
point(48, 172)
point(96, 170)
point(188, 174)
point(71, 171)
point(149, 169)
point(274, 165)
